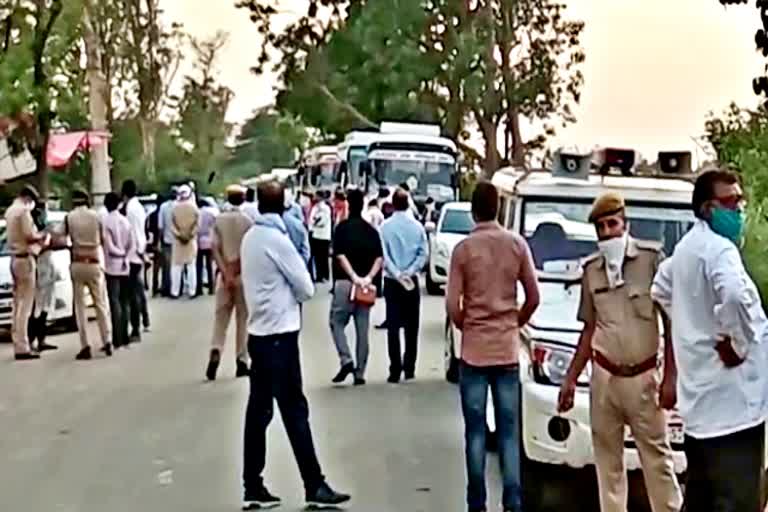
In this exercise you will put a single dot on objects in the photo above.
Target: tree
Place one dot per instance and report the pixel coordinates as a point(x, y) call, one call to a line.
point(491, 61)
point(152, 54)
point(37, 67)
point(203, 109)
point(268, 140)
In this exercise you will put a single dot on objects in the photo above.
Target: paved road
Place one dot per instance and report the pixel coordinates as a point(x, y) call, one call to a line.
point(143, 431)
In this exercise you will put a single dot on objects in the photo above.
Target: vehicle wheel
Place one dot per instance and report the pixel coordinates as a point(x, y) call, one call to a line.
point(70, 324)
point(451, 361)
point(432, 287)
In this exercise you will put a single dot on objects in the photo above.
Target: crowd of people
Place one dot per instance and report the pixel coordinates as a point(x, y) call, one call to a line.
point(265, 252)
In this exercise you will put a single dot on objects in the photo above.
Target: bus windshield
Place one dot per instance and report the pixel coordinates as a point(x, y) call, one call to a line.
point(425, 179)
point(357, 155)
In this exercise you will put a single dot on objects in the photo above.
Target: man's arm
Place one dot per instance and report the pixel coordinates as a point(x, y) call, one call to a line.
point(389, 262)
point(588, 316)
point(422, 253)
point(735, 301)
point(530, 286)
point(289, 263)
point(661, 289)
point(455, 293)
point(668, 388)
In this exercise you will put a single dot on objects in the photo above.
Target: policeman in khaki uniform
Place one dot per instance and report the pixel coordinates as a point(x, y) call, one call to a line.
point(621, 337)
point(84, 229)
point(24, 243)
point(229, 230)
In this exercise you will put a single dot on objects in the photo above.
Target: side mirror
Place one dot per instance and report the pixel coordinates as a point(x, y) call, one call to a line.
point(430, 227)
point(365, 168)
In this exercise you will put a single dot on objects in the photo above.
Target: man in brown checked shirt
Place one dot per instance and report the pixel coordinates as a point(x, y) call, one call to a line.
point(482, 302)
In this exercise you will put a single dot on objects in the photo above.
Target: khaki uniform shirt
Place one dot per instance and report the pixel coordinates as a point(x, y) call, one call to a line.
point(228, 233)
point(84, 229)
point(627, 326)
point(19, 228)
point(185, 222)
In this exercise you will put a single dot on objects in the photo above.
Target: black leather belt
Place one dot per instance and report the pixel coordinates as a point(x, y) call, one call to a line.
point(22, 255)
point(624, 370)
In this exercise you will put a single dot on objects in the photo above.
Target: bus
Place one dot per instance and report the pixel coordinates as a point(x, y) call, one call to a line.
point(414, 154)
point(319, 169)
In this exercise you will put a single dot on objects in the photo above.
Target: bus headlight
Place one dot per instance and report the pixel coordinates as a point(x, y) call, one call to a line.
point(550, 363)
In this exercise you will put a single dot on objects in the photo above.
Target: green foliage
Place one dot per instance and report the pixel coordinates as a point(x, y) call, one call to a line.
point(358, 63)
point(266, 141)
point(740, 139)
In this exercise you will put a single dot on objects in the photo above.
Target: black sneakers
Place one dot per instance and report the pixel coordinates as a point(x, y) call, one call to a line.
point(242, 369)
point(84, 355)
point(325, 497)
point(345, 371)
point(261, 500)
point(213, 364)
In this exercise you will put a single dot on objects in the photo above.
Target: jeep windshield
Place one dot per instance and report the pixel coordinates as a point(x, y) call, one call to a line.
point(560, 236)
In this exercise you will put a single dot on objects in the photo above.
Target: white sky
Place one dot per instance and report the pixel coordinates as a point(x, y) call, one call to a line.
point(654, 68)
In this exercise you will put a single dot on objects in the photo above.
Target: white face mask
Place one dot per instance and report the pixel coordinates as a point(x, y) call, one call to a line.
point(613, 251)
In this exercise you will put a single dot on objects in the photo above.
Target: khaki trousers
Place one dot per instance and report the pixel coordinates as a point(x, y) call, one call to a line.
point(614, 403)
point(90, 276)
point(24, 273)
point(227, 300)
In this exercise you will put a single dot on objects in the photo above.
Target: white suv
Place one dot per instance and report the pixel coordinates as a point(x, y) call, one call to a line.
point(454, 225)
point(551, 213)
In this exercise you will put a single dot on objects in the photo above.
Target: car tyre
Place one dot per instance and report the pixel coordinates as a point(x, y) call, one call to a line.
point(432, 287)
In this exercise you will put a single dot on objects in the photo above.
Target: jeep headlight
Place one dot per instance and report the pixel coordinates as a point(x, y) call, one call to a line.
point(442, 251)
point(550, 363)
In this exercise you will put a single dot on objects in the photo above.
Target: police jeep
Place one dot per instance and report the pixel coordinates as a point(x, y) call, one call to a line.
point(550, 209)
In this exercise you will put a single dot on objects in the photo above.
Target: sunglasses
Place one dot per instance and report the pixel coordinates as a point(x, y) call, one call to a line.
point(732, 202)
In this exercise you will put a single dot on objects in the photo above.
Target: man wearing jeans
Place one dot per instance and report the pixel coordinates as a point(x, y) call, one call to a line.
point(118, 243)
point(357, 258)
point(275, 282)
point(405, 253)
point(482, 303)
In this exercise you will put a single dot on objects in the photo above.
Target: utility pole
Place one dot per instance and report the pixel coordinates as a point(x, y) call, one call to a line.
point(97, 102)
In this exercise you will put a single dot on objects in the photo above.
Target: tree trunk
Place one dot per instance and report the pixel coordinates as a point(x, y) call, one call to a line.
point(518, 146)
point(492, 156)
point(147, 127)
point(99, 106)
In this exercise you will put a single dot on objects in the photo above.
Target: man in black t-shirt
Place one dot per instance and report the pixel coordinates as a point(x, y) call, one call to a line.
point(357, 259)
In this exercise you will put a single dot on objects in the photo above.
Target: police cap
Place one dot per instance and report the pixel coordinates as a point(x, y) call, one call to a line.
point(609, 203)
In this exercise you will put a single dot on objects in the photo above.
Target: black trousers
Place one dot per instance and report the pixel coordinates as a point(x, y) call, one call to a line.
point(166, 253)
point(403, 312)
point(139, 313)
point(205, 259)
point(319, 249)
point(725, 474)
point(276, 377)
point(119, 293)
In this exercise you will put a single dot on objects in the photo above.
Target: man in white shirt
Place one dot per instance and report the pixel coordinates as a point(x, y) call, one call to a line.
point(718, 332)
point(320, 231)
point(372, 214)
point(275, 283)
point(137, 217)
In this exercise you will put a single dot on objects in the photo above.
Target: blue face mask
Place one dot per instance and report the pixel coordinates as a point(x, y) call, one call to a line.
point(728, 223)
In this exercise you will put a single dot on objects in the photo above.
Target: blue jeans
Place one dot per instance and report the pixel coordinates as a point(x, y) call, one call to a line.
point(504, 382)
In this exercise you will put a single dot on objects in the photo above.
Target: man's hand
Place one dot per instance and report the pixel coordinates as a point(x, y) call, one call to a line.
point(566, 396)
point(668, 394)
point(728, 355)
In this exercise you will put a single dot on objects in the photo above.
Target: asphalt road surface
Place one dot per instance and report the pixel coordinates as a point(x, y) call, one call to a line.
point(144, 430)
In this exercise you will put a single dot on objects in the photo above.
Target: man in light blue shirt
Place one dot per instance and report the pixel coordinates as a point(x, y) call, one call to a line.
point(405, 253)
point(297, 231)
point(719, 333)
point(275, 282)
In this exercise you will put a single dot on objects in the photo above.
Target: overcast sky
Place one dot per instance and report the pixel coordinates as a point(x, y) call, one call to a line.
point(654, 68)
